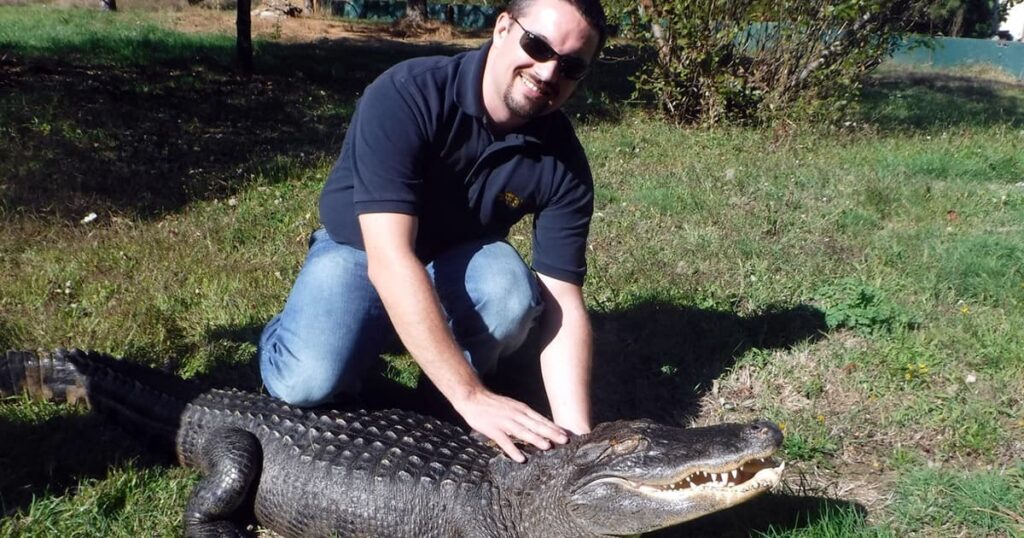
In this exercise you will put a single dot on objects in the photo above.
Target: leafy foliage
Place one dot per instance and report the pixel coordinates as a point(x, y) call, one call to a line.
point(751, 61)
point(963, 18)
point(850, 304)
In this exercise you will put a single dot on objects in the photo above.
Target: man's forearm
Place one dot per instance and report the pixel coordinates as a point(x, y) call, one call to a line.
point(415, 311)
point(566, 357)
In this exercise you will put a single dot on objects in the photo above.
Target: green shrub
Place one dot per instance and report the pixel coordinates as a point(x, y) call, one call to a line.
point(747, 61)
point(851, 304)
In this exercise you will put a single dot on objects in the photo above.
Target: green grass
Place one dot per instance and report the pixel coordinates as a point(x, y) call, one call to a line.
point(862, 286)
point(116, 39)
point(986, 503)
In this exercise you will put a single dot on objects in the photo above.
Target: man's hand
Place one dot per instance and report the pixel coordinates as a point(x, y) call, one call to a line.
point(503, 419)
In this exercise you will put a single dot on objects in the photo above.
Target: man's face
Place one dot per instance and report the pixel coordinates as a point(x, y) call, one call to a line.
point(518, 87)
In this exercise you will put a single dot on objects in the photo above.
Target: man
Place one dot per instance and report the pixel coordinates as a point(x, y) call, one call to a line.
point(442, 157)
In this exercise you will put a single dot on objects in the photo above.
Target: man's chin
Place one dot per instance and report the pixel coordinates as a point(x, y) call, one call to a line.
point(525, 109)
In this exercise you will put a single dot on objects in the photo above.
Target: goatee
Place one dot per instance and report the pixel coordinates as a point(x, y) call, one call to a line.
point(523, 108)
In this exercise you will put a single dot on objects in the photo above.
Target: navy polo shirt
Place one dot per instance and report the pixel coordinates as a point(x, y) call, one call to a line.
point(419, 144)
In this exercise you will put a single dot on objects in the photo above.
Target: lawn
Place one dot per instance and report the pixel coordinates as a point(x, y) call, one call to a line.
point(862, 285)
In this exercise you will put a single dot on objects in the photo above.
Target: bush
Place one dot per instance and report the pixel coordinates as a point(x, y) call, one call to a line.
point(851, 304)
point(706, 61)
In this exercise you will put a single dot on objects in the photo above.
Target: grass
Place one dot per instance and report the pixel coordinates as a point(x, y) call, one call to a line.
point(123, 39)
point(861, 286)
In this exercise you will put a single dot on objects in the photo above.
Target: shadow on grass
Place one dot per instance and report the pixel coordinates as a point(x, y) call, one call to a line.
point(54, 455)
point(901, 101)
point(657, 360)
point(767, 513)
point(144, 140)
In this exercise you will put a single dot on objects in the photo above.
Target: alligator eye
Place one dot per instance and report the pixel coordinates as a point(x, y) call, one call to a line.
point(628, 445)
point(594, 452)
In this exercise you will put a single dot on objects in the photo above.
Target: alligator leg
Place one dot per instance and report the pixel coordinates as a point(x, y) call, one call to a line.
point(230, 460)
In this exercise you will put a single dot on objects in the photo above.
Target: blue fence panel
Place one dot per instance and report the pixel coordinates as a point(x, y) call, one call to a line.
point(962, 52)
point(466, 16)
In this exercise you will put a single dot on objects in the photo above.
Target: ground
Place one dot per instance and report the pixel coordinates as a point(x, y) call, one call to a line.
point(306, 29)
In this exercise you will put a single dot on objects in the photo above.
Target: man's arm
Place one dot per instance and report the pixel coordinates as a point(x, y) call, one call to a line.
point(415, 311)
point(566, 357)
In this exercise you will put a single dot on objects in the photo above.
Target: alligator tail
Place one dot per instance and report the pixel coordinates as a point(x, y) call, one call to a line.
point(144, 401)
point(40, 377)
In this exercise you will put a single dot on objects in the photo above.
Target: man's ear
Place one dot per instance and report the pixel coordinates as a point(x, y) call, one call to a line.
point(502, 26)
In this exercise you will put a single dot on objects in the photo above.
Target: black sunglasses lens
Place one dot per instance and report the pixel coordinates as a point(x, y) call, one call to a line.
point(536, 47)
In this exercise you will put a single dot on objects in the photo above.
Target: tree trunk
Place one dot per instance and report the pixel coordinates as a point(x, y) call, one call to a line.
point(416, 11)
point(957, 27)
point(309, 6)
point(646, 8)
point(243, 42)
point(108, 5)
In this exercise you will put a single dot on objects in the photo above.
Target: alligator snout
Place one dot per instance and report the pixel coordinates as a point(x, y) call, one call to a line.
point(764, 430)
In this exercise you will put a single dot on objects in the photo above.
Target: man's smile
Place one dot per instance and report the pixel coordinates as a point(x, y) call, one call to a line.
point(541, 89)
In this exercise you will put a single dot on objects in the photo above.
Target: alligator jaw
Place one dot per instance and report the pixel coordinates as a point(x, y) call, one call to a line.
point(730, 486)
point(752, 476)
point(656, 476)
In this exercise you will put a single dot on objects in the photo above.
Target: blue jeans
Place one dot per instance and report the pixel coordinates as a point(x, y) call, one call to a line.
point(333, 325)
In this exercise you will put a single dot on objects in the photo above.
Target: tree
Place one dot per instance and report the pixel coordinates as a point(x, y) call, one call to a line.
point(416, 11)
point(961, 18)
point(243, 33)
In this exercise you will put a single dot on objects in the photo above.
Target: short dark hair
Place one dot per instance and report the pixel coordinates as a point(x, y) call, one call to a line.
point(591, 10)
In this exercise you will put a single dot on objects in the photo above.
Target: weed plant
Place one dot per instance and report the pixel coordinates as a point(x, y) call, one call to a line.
point(861, 286)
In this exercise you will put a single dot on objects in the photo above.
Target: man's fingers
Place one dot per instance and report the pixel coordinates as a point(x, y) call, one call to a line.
point(543, 427)
point(500, 419)
point(527, 435)
point(509, 447)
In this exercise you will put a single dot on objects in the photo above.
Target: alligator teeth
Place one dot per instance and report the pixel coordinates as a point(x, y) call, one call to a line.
point(735, 473)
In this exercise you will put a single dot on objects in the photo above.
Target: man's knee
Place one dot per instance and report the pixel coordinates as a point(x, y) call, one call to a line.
point(301, 392)
point(508, 303)
point(295, 381)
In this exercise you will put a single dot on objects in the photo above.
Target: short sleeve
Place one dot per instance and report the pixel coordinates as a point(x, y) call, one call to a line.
point(560, 229)
point(388, 137)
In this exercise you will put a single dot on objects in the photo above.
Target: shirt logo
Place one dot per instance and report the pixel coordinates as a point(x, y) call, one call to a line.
point(511, 199)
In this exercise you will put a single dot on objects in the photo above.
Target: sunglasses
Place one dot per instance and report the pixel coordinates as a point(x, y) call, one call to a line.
point(535, 47)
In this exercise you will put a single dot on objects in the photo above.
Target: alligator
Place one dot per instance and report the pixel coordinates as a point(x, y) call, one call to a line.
point(395, 473)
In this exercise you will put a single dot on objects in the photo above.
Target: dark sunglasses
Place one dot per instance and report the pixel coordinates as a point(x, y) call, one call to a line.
point(535, 47)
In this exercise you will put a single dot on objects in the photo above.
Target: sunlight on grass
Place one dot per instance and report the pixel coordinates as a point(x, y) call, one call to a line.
point(124, 39)
point(988, 502)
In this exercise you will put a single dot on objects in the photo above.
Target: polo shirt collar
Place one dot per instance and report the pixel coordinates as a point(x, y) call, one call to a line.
point(469, 91)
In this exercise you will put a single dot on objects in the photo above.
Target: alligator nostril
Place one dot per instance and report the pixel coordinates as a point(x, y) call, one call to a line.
point(764, 428)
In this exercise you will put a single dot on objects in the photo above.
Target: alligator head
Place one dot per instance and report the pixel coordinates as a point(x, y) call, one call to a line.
point(631, 477)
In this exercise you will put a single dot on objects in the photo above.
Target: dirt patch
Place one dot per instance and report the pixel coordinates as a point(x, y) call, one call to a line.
point(313, 29)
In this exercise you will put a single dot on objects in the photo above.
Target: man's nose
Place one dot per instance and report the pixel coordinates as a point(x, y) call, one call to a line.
point(547, 71)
